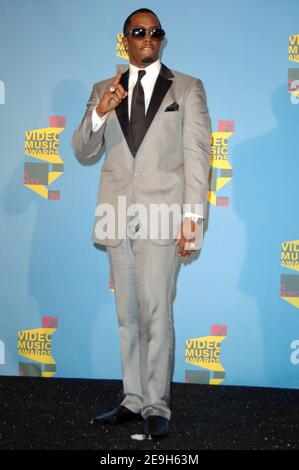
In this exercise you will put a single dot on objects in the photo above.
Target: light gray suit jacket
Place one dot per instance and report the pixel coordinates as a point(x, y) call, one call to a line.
point(172, 162)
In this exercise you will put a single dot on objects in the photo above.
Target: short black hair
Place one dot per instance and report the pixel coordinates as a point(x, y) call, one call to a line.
point(140, 10)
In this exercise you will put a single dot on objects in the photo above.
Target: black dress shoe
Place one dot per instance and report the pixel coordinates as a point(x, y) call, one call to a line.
point(120, 414)
point(156, 426)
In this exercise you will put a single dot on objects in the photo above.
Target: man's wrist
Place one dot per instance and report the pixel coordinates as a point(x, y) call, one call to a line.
point(194, 217)
point(100, 113)
point(97, 121)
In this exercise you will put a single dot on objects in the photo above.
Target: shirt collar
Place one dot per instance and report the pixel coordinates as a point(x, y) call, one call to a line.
point(151, 70)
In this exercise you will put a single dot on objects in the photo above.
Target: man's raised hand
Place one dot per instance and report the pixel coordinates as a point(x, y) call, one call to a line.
point(110, 100)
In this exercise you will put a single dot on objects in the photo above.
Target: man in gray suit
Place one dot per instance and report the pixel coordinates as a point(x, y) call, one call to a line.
point(155, 126)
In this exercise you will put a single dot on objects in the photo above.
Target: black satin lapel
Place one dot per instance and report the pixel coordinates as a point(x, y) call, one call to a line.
point(161, 87)
point(122, 109)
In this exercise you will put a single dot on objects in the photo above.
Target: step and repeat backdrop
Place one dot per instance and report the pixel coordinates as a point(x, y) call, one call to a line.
point(236, 309)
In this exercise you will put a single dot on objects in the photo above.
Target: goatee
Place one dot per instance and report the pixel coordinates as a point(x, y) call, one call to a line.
point(148, 60)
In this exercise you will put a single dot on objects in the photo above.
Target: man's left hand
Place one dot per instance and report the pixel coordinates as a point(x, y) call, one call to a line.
point(189, 236)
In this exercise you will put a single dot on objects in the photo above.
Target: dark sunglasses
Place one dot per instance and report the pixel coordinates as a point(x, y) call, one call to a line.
point(139, 33)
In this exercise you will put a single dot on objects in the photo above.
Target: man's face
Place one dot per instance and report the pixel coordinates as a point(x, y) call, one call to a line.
point(144, 51)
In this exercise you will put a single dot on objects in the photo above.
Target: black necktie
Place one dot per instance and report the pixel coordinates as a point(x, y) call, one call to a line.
point(137, 111)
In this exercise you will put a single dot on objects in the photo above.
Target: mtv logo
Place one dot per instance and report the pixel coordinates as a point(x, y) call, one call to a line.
point(57, 121)
point(226, 126)
point(50, 322)
point(222, 201)
point(219, 330)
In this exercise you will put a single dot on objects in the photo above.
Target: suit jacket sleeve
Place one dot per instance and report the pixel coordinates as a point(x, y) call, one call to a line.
point(86, 143)
point(196, 148)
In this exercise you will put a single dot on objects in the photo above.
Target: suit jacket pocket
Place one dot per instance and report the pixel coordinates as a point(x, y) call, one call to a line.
point(169, 115)
point(172, 107)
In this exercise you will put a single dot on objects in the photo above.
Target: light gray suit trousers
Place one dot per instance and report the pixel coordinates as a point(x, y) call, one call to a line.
point(144, 279)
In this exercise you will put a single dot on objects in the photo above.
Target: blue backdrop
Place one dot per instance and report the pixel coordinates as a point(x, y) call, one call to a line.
point(237, 305)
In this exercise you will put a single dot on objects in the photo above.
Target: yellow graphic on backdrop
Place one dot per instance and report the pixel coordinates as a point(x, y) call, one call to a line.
point(205, 352)
point(289, 283)
point(294, 48)
point(120, 48)
point(43, 144)
point(36, 344)
point(290, 254)
point(219, 159)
